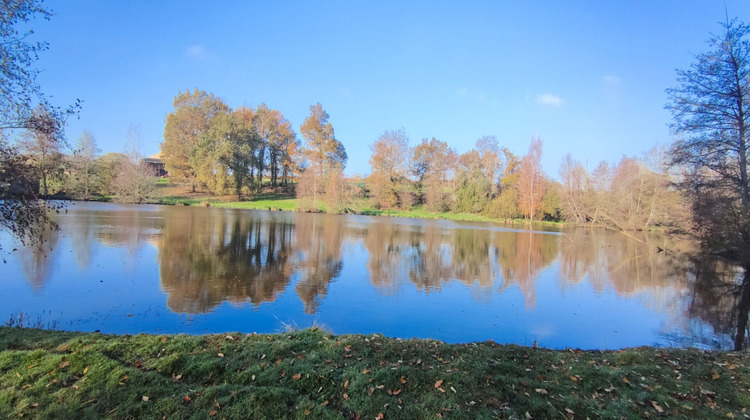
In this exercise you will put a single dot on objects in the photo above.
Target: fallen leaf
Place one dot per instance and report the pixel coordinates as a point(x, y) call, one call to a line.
point(715, 376)
point(163, 339)
point(213, 413)
point(187, 398)
point(296, 376)
point(144, 398)
point(86, 369)
point(346, 396)
point(541, 391)
point(625, 380)
point(574, 379)
point(229, 337)
point(64, 364)
point(438, 383)
point(220, 354)
point(657, 406)
point(441, 390)
point(366, 371)
point(346, 384)
point(396, 392)
point(380, 416)
point(569, 411)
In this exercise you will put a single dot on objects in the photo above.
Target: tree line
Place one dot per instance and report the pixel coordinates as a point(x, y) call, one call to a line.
point(56, 169)
point(634, 194)
point(213, 147)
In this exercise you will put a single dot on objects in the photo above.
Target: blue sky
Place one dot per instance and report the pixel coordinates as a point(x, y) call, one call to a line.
point(588, 77)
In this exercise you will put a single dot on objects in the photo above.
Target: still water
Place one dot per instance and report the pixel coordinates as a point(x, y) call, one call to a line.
point(162, 269)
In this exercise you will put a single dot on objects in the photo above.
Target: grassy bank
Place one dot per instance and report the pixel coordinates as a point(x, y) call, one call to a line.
point(178, 194)
point(312, 374)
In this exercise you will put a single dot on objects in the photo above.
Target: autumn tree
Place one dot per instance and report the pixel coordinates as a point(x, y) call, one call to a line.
point(390, 166)
point(432, 164)
point(290, 157)
point(185, 127)
point(531, 183)
point(322, 150)
point(505, 205)
point(84, 166)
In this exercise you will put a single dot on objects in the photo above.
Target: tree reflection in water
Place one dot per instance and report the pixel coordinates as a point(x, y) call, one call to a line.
point(211, 256)
point(207, 258)
point(721, 297)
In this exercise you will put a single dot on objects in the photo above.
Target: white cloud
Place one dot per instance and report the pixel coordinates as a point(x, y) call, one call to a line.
point(548, 99)
point(197, 52)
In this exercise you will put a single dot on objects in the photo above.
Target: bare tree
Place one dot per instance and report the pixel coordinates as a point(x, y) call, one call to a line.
point(135, 183)
point(84, 164)
point(710, 106)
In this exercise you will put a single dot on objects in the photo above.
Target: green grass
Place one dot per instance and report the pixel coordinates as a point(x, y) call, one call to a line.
point(268, 201)
point(313, 374)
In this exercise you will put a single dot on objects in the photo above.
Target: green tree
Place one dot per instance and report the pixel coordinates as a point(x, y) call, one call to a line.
point(505, 205)
point(185, 126)
point(474, 185)
point(233, 142)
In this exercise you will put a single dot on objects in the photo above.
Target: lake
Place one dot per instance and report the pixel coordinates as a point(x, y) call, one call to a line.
point(166, 269)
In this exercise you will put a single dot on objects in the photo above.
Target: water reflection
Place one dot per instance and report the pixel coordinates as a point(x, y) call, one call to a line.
point(37, 260)
point(205, 261)
point(208, 257)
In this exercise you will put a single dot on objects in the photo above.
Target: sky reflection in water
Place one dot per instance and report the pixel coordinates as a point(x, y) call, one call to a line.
point(131, 269)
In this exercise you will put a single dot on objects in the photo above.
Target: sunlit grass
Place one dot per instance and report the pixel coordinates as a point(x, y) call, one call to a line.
point(314, 374)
